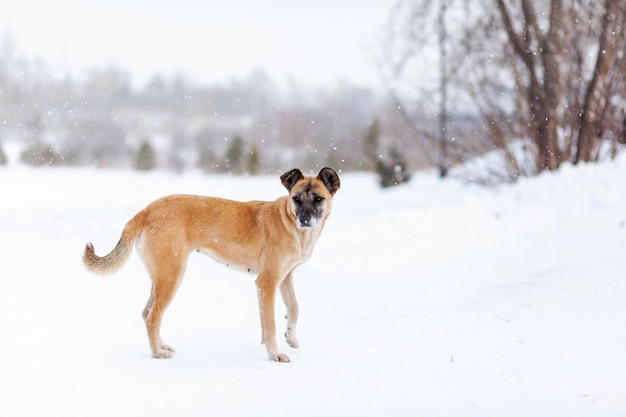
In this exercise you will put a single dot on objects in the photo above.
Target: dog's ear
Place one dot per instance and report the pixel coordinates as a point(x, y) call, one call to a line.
point(289, 179)
point(329, 177)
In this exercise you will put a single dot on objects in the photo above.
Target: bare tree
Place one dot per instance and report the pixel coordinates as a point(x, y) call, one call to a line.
point(548, 78)
point(541, 51)
point(413, 35)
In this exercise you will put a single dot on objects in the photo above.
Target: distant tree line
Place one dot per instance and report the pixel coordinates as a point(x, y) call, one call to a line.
point(248, 126)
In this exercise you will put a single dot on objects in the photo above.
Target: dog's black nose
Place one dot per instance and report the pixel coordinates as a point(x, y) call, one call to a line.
point(305, 221)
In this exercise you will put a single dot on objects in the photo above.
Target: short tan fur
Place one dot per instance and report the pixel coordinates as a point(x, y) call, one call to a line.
point(266, 238)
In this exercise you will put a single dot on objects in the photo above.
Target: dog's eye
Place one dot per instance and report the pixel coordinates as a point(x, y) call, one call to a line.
point(297, 200)
point(318, 199)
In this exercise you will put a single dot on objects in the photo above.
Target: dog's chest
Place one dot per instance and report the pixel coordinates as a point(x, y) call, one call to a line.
point(307, 244)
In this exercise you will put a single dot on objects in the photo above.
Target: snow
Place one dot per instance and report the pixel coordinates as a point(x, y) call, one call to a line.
point(435, 298)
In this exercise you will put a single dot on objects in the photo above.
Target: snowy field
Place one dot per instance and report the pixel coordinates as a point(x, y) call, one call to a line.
point(431, 299)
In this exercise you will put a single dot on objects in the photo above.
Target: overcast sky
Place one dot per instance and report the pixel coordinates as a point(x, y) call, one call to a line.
point(314, 42)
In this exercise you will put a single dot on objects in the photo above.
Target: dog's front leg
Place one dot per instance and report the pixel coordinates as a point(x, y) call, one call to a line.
point(289, 298)
point(267, 284)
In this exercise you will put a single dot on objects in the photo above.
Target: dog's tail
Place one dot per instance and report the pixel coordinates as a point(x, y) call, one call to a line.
point(119, 255)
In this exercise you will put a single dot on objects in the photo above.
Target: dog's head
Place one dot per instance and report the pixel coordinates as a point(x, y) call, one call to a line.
point(310, 197)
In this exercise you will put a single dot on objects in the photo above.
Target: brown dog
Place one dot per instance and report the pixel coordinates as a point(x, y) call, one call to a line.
point(266, 238)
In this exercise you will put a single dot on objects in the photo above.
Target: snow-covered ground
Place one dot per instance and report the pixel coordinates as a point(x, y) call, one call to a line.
point(431, 299)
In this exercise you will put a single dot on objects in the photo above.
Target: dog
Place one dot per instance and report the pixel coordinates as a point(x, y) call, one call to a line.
point(267, 238)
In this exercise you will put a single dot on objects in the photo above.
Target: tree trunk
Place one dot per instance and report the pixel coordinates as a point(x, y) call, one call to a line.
point(587, 117)
point(443, 90)
point(542, 93)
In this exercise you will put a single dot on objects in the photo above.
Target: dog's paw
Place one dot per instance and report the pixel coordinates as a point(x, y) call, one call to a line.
point(274, 353)
point(166, 352)
point(167, 348)
point(279, 357)
point(163, 354)
point(291, 340)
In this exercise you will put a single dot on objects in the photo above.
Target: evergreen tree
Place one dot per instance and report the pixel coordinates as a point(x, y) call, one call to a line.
point(371, 143)
point(392, 169)
point(253, 162)
point(234, 155)
point(145, 159)
point(40, 154)
point(3, 157)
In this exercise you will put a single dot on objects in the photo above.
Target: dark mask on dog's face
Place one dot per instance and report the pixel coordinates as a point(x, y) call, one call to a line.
point(310, 196)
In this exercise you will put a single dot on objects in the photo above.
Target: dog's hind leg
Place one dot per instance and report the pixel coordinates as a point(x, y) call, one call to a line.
point(289, 298)
point(165, 282)
point(149, 304)
point(146, 313)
